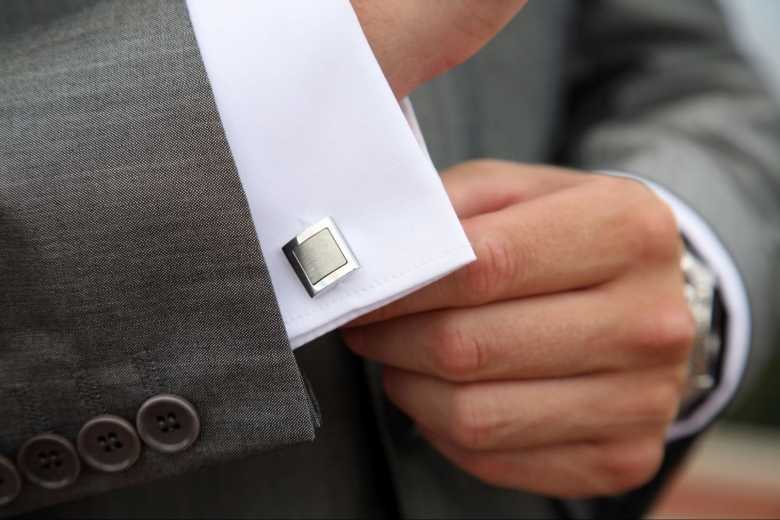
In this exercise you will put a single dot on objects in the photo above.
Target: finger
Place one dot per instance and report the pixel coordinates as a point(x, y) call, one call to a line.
point(576, 470)
point(522, 414)
point(488, 185)
point(571, 239)
point(560, 335)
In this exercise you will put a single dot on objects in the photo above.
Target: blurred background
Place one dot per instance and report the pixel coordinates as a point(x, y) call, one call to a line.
point(734, 471)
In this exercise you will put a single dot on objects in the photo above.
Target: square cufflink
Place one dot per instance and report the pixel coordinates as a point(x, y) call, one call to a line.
point(320, 257)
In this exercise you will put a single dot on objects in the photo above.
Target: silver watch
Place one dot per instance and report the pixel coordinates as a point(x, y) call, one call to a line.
point(701, 291)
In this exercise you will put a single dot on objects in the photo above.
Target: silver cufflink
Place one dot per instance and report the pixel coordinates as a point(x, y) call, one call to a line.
point(320, 257)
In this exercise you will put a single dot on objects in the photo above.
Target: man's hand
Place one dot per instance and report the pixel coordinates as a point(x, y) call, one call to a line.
point(556, 361)
point(416, 40)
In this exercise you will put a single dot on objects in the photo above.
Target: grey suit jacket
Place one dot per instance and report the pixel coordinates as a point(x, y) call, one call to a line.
point(129, 265)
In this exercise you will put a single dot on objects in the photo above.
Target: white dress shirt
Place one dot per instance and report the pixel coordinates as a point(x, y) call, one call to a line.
point(316, 132)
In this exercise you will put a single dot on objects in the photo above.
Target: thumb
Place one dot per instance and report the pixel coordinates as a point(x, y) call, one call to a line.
point(416, 40)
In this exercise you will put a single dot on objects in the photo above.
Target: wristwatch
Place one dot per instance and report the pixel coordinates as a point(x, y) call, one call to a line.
point(704, 300)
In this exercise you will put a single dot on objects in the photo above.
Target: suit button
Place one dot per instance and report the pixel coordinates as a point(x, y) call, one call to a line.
point(168, 423)
point(49, 461)
point(10, 482)
point(108, 443)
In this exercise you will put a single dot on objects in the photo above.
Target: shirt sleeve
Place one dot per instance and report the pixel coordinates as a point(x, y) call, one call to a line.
point(736, 344)
point(316, 132)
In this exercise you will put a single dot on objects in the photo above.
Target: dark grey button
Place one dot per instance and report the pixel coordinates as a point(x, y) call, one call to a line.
point(49, 461)
point(108, 443)
point(10, 482)
point(168, 423)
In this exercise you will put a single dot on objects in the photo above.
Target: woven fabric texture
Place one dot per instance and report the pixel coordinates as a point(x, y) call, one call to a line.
point(129, 265)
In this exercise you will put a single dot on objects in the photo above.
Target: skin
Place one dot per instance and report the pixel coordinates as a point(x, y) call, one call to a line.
point(556, 361)
point(416, 40)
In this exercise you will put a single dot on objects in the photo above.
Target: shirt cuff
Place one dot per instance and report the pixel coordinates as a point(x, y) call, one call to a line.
point(735, 301)
point(316, 132)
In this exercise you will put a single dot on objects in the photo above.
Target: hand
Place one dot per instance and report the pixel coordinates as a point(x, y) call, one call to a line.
point(416, 40)
point(556, 361)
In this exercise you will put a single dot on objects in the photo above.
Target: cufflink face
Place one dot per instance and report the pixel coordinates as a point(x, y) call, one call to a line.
point(320, 257)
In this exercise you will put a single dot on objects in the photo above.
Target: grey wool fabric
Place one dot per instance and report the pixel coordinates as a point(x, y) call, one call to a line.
point(129, 265)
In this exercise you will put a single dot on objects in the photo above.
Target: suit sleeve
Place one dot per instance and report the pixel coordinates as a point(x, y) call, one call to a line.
point(659, 90)
point(129, 265)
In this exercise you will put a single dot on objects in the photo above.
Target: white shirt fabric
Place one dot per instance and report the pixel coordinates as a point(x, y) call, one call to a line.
point(315, 131)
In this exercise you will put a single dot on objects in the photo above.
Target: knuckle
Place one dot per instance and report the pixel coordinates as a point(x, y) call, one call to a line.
point(648, 224)
point(661, 401)
point(669, 331)
point(627, 466)
point(472, 428)
point(655, 226)
point(496, 267)
point(456, 355)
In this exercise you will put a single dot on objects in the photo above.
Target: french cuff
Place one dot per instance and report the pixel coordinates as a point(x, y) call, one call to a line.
point(736, 342)
point(317, 134)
